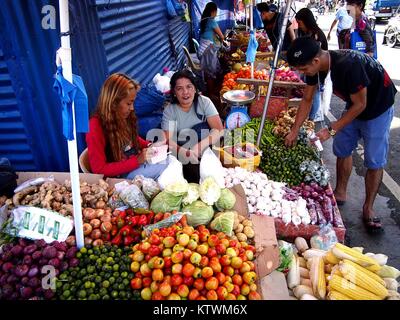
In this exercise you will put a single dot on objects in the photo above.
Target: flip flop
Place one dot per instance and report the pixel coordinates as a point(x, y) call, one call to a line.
point(373, 224)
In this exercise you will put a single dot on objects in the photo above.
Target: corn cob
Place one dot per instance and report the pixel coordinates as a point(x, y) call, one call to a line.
point(317, 276)
point(374, 268)
point(362, 280)
point(351, 290)
point(336, 295)
point(366, 271)
point(343, 252)
point(330, 258)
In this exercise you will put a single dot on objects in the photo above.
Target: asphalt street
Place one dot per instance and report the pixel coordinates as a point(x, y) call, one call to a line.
point(387, 204)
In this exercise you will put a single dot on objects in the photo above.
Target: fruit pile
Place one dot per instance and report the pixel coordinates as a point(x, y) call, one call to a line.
point(187, 263)
point(102, 273)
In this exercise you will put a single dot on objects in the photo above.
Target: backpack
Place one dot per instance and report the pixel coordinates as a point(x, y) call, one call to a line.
point(8, 178)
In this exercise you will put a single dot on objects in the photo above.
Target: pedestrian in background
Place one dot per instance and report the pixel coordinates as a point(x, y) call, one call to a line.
point(344, 22)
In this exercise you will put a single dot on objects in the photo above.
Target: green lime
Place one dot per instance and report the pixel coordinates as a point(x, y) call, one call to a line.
point(92, 257)
point(103, 291)
point(114, 294)
point(82, 294)
point(90, 251)
point(106, 297)
point(83, 250)
point(59, 284)
point(97, 279)
point(111, 279)
point(111, 254)
point(92, 297)
point(110, 260)
point(121, 287)
point(88, 285)
point(66, 293)
point(79, 255)
point(66, 286)
point(126, 282)
point(116, 267)
point(106, 284)
point(122, 294)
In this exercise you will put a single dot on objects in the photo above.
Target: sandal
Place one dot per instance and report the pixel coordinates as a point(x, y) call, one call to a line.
point(373, 224)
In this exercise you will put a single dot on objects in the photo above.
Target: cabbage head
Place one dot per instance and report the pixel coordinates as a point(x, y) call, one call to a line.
point(201, 213)
point(209, 191)
point(178, 188)
point(192, 194)
point(165, 202)
point(226, 201)
point(224, 222)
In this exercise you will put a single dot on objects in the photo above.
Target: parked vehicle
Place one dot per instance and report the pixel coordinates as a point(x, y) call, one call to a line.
point(385, 9)
point(391, 36)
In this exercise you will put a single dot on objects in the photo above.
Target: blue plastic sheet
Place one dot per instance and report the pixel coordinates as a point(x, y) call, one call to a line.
point(251, 48)
point(148, 100)
point(69, 93)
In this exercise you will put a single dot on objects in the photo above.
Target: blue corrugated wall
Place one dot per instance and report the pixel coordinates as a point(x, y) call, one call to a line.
point(107, 36)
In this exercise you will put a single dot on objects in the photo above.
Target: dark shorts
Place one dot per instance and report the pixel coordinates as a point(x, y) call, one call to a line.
point(375, 134)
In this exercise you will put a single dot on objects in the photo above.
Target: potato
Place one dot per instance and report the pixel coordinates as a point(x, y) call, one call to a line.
point(239, 228)
point(248, 231)
point(241, 236)
point(241, 218)
point(247, 222)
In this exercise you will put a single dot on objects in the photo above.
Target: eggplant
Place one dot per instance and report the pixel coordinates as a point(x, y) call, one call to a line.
point(17, 250)
point(21, 270)
point(30, 249)
point(49, 252)
point(33, 271)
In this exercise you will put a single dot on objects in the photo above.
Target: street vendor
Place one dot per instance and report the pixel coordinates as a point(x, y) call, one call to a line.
point(114, 147)
point(191, 123)
point(364, 84)
point(272, 20)
point(209, 28)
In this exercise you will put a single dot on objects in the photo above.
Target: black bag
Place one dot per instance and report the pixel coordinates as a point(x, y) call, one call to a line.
point(8, 178)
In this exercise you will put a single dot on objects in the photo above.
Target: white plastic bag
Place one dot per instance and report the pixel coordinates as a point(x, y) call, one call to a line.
point(172, 174)
point(326, 95)
point(210, 166)
point(162, 83)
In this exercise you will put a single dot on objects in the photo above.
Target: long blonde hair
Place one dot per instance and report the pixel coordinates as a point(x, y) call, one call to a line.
point(119, 132)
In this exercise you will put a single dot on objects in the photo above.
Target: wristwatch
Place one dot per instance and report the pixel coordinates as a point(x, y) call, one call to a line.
point(332, 132)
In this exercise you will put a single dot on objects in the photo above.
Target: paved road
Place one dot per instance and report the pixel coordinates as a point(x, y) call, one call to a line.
point(387, 205)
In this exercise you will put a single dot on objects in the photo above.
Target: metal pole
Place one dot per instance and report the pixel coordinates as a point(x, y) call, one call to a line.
point(66, 62)
point(273, 69)
point(251, 29)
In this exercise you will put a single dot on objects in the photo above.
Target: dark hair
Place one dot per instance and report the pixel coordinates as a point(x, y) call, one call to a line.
point(187, 74)
point(306, 16)
point(360, 3)
point(265, 7)
point(302, 51)
point(210, 8)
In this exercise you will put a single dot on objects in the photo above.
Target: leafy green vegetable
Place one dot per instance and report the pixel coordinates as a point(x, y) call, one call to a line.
point(166, 202)
point(224, 222)
point(201, 213)
point(226, 201)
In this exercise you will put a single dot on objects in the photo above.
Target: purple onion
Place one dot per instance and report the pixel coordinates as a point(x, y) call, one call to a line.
point(27, 260)
point(43, 261)
point(54, 262)
point(26, 292)
point(16, 250)
point(21, 270)
point(34, 282)
point(36, 255)
point(48, 294)
point(6, 256)
point(64, 266)
point(33, 271)
point(71, 253)
point(3, 279)
point(74, 262)
point(30, 249)
point(23, 242)
point(8, 267)
point(24, 281)
point(49, 252)
point(41, 243)
point(60, 255)
point(7, 290)
point(12, 278)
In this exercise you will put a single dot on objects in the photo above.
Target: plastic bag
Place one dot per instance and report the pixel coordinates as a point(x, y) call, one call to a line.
point(325, 239)
point(172, 174)
point(165, 223)
point(150, 188)
point(36, 223)
point(33, 182)
point(210, 166)
point(133, 197)
point(285, 255)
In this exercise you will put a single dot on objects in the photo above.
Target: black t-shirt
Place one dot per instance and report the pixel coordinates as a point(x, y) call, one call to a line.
point(352, 71)
point(273, 28)
point(319, 36)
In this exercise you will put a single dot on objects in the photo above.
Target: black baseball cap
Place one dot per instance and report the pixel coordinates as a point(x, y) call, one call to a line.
point(265, 7)
point(302, 51)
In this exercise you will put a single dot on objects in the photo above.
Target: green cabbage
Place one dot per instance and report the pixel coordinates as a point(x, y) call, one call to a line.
point(200, 213)
point(226, 201)
point(224, 222)
point(166, 202)
point(209, 191)
point(178, 188)
point(192, 194)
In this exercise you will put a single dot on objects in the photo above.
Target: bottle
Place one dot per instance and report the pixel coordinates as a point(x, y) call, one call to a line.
point(315, 140)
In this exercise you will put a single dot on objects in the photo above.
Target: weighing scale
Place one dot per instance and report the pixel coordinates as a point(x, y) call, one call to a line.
point(238, 99)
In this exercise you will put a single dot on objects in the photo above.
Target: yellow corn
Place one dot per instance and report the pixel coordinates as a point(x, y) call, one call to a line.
point(336, 295)
point(343, 252)
point(335, 270)
point(351, 290)
point(366, 271)
point(362, 280)
point(374, 268)
point(317, 276)
point(330, 258)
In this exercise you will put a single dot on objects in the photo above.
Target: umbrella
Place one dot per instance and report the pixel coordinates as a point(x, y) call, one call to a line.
point(72, 95)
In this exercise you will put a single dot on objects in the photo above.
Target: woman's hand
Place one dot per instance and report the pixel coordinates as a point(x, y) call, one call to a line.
point(144, 155)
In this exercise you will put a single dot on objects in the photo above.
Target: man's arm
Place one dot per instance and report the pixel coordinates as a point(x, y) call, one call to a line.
point(330, 30)
point(359, 103)
point(302, 114)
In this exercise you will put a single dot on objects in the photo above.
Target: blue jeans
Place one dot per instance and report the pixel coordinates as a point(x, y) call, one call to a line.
point(147, 170)
point(316, 103)
point(375, 134)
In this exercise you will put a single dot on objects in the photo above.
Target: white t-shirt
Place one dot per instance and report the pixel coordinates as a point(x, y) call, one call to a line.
point(345, 20)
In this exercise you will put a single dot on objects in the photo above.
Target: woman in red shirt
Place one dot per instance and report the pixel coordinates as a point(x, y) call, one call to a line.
point(114, 146)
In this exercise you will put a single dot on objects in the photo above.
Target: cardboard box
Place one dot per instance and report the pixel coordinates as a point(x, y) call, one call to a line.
point(274, 287)
point(60, 177)
point(267, 249)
